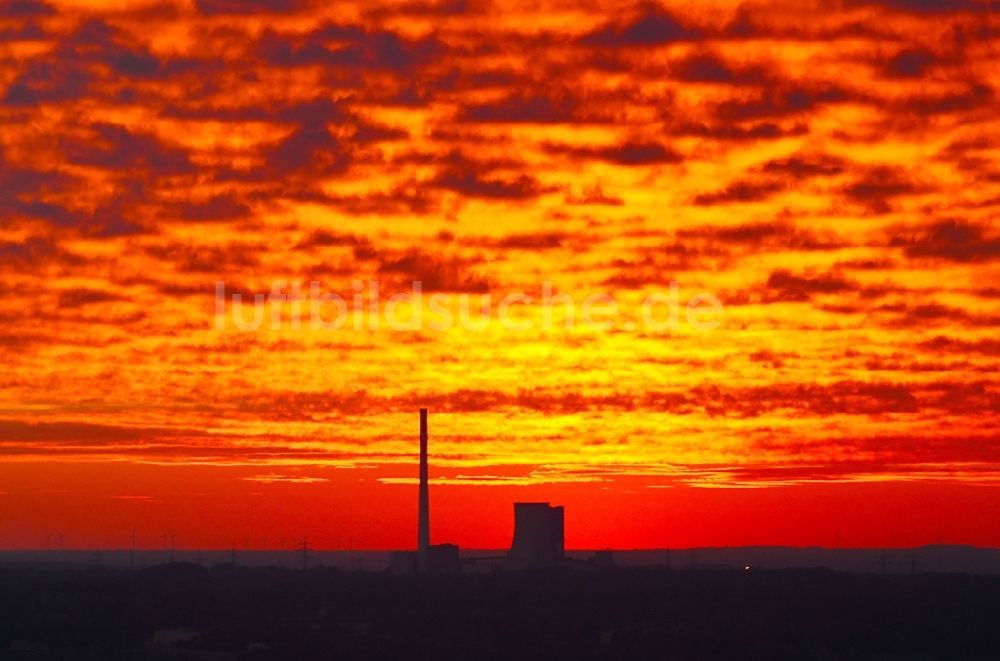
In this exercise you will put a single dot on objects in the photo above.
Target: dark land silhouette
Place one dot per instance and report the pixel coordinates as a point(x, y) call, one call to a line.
point(184, 610)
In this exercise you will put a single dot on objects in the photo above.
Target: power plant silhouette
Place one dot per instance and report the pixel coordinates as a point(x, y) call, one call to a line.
point(538, 536)
point(538, 533)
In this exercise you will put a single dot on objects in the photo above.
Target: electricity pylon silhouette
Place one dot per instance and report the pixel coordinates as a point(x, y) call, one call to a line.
point(303, 547)
point(172, 546)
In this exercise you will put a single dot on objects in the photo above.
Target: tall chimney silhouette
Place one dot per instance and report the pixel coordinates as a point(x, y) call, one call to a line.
point(424, 516)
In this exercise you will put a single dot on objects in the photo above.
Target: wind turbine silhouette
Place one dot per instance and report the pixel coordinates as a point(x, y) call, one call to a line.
point(355, 560)
point(131, 552)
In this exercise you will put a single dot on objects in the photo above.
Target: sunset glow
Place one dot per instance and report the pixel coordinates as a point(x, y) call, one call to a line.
point(829, 173)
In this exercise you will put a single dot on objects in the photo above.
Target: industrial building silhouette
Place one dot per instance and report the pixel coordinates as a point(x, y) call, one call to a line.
point(538, 536)
point(539, 539)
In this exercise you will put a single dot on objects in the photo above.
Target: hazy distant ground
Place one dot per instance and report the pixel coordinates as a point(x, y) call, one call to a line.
point(936, 558)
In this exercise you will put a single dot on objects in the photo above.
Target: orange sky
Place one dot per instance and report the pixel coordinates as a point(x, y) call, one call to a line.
point(828, 171)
